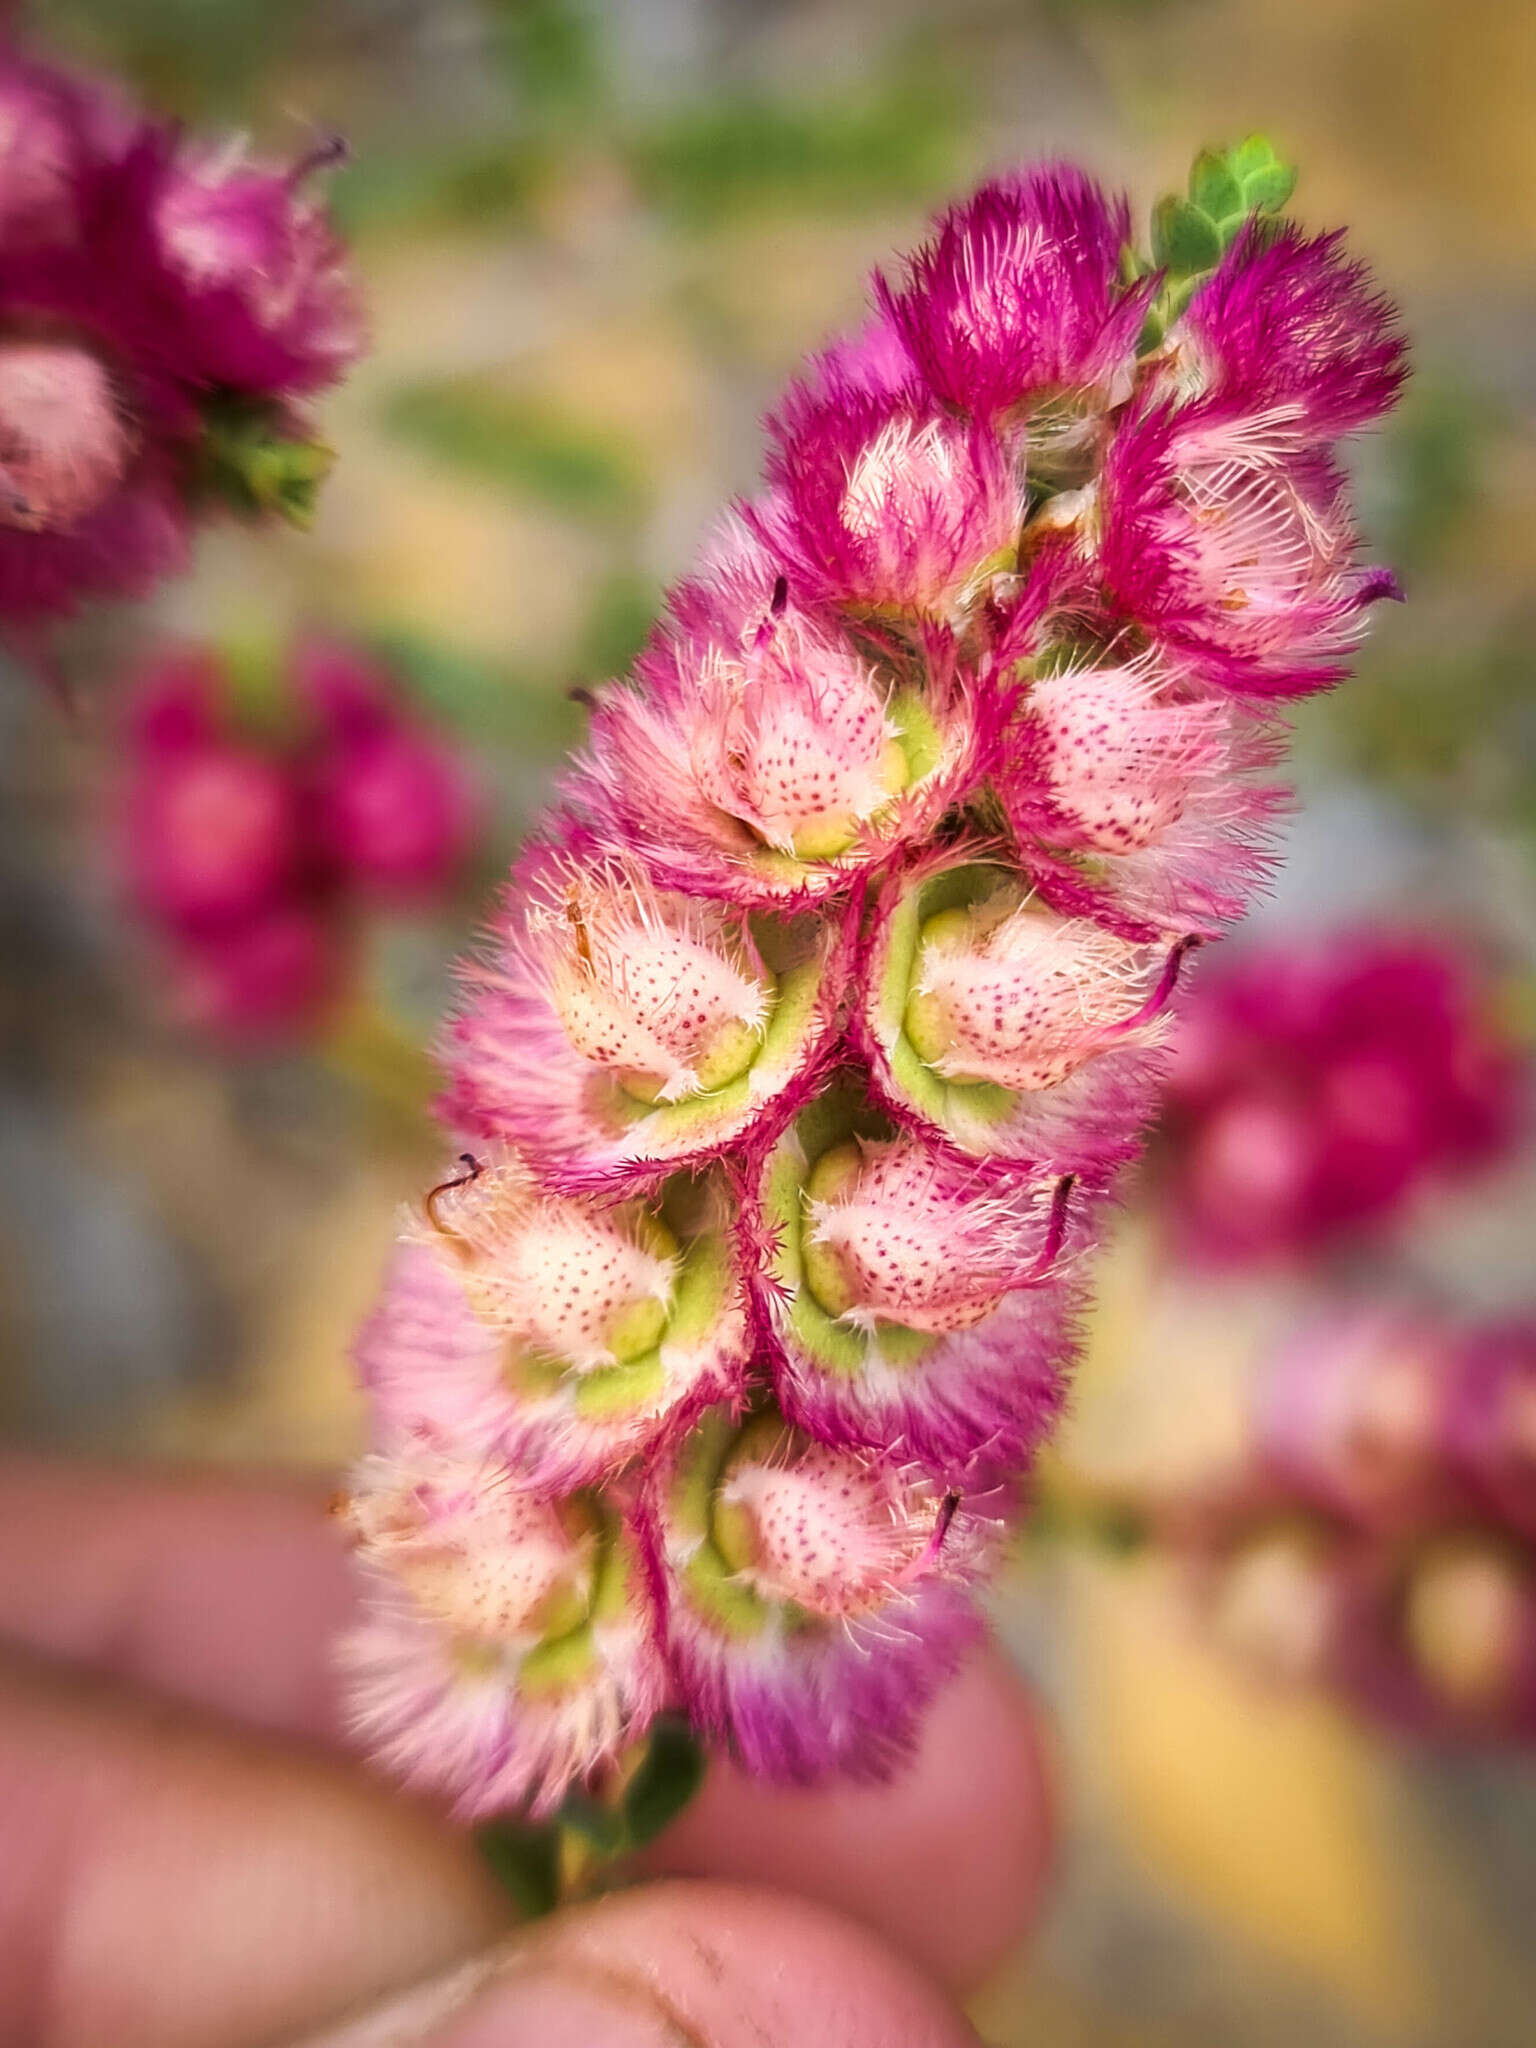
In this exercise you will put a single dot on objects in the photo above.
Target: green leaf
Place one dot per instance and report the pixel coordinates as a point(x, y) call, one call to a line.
point(1267, 190)
point(1253, 153)
point(671, 1774)
point(1212, 186)
point(1183, 238)
point(525, 1860)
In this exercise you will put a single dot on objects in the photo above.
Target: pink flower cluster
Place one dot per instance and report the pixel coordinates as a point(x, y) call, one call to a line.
point(1385, 1543)
point(166, 313)
point(1318, 1085)
point(249, 850)
point(828, 1001)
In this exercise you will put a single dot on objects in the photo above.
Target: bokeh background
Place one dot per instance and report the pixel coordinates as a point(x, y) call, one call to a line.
point(595, 235)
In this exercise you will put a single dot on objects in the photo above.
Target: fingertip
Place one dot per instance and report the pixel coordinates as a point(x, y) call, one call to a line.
point(713, 1966)
point(950, 1861)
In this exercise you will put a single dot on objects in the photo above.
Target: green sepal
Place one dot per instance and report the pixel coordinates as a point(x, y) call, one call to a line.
point(670, 1773)
point(258, 467)
point(525, 1861)
point(530, 1860)
point(1184, 239)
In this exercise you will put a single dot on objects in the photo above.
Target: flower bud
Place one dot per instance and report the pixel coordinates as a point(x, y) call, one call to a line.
point(507, 1651)
point(1010, 1030)
point(269, 301)
point(65, 444)
point(911, 1302)
point(619, 1030)
point(1017, 299)
point(888, 504)
point(782, 1561)
point(560, 1335)
point(1285, 320)
point(1143, 794)
point(769, 760)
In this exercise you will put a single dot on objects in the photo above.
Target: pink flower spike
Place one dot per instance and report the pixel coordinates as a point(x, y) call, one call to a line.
point(887, 504)
point(507, 1650)
point(809, 1613)
point(1019, 297)
point(616, 1032)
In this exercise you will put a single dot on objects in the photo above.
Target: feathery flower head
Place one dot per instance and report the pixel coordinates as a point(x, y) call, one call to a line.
point(909, 1301)
point(1286, 320)
point(886, 503)
point(563, 1334)
point(261, 271)
point(165, 317)
point(617, 1031)
point(1020, 297)
point(1005, 1028)
point(814, 1595)
point(507, 1650)
point(1233, 543)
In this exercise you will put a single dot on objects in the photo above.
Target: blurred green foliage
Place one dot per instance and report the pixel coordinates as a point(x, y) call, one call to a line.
point(893, 139)
point(522, 444)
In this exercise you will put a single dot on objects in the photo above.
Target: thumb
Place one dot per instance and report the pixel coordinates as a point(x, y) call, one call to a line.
point(675, 1966)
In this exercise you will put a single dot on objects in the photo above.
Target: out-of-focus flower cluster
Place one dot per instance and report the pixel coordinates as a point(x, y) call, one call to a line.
point(828, 1000)
point(167, 312)
point(1317, 1086)
point(252, 839)
point(1383, 1543)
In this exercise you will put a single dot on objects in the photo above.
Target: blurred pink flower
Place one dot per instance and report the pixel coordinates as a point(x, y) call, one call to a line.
point(248, 849)
point(1318, 1085)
